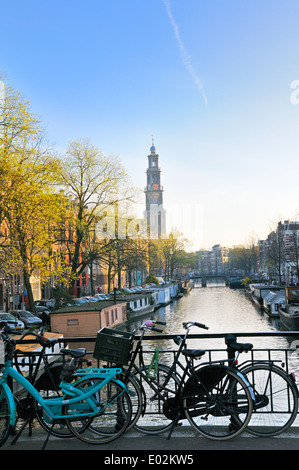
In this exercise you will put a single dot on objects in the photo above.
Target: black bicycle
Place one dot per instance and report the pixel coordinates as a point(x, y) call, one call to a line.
point(215, 399)
point(276, 395)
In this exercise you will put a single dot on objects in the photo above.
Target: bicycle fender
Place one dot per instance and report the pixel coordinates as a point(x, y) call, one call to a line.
point(248, 385)
point(119, 382)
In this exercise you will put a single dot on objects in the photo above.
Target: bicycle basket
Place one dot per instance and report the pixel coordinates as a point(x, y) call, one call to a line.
point(113, 346)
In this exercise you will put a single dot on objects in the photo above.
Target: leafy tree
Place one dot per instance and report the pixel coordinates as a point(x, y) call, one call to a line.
point(151, 279)
point(97, 183)
point(30, 208)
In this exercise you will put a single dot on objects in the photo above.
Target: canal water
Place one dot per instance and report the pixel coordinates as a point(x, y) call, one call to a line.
point(223, 310)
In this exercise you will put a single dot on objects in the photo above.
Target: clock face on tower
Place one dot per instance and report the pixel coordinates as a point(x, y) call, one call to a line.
point(155, 186)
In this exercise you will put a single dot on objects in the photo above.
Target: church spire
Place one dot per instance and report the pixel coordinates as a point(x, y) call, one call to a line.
point(155, 212)
point(153, 148)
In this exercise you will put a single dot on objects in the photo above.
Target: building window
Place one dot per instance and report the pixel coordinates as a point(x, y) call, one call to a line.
point(72, 322)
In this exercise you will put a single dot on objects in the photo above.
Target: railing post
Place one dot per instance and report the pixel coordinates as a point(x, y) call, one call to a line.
point(230, 352)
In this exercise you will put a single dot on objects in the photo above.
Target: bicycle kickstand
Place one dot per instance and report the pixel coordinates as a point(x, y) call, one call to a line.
point(18, 433)
point(174, 424)
point(47, 438)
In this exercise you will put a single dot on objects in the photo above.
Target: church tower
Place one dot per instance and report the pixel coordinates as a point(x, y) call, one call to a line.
point(155, 213)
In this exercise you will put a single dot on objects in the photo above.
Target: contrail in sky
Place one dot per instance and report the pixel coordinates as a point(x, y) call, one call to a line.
point(186, 58)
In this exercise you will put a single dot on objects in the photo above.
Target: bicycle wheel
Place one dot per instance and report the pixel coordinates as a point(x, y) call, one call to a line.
point(48, 387)
point(112, 420)
point(137, 397)
point(5, 413)
point(153, 419)
point(276, 404)
point(217, 402)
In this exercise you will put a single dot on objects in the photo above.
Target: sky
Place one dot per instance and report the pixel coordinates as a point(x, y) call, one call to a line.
point(215, 84)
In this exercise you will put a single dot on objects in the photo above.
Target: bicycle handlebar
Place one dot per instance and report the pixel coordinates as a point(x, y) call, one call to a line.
point(40, 339)
point(188, 324)
point(149, 324)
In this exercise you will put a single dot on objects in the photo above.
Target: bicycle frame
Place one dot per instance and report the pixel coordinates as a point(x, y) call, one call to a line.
point(188, 370)
point(53, 406)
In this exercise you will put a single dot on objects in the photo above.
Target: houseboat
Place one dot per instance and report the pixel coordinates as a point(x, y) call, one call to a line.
point(173, 290)
point(88, 318)
point(257, 291)
point(140, 304)
point(236, 283)
point(185, 287)
point(272, 301)
point(289, 314)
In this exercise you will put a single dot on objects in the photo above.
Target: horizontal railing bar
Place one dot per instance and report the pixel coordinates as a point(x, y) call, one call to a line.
point(190, 336)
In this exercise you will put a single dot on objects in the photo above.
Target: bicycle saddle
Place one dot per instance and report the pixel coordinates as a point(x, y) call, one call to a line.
point(80, 352)
point(193, 353)
point(240, 347)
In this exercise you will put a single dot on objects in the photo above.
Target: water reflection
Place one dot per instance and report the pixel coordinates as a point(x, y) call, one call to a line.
point(223, 310)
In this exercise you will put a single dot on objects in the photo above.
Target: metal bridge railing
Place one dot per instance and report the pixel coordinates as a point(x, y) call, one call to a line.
point(287, 356)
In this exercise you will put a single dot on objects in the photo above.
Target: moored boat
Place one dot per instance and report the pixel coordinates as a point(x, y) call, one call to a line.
point(289, 314)
point(260, 290)
point(272, 301)
point(236, 283)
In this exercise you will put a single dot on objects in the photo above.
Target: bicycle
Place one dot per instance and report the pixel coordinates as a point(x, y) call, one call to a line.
point(275, 404)
point(212, 399)
point(276, 394)
point(96, 407)
point(45, 376)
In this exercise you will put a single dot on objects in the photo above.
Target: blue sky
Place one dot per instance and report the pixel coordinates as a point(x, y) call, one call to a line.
point(211, 80)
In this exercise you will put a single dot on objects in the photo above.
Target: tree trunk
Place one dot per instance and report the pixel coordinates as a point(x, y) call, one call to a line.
point(29, 290)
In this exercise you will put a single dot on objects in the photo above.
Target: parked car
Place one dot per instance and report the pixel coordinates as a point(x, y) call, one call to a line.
point(49, 304)
point(27, 318)
point(100, 297)
point(91, 299)
point(126, 290)
point(78, 301)
point(14, 323)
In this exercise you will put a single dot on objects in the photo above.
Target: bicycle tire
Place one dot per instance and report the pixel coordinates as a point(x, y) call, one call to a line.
point(5, 413)
point(112, 420)
point(137, 396)
point(153, 419)
point(48, 387)
point(217, 402)
point(281, 406)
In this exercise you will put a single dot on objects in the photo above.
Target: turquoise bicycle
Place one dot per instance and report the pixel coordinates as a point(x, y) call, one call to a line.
point(94, 405)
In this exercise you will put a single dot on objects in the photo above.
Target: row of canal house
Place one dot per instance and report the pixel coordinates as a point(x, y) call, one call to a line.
point(87, 319)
